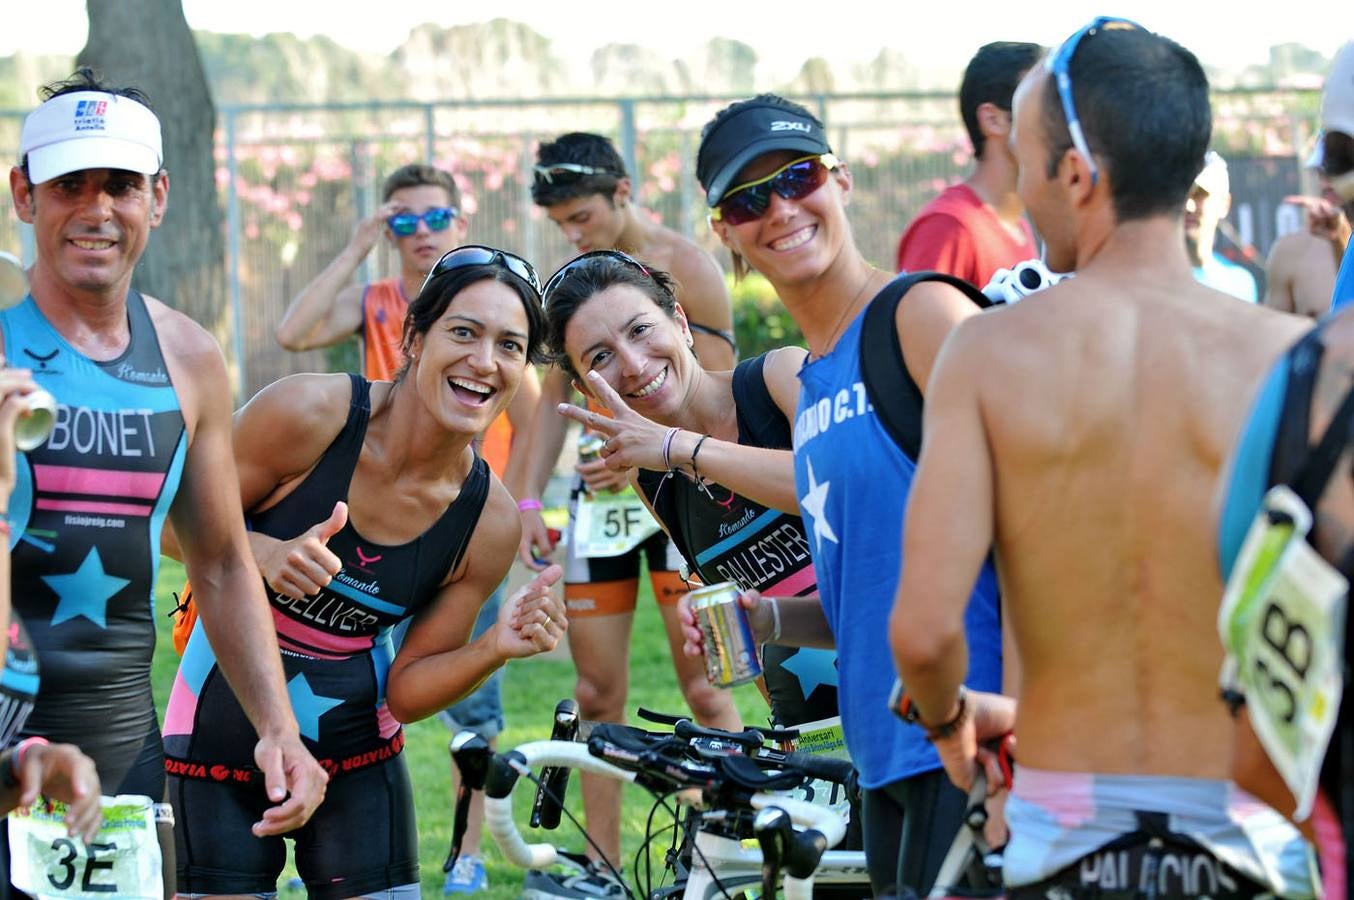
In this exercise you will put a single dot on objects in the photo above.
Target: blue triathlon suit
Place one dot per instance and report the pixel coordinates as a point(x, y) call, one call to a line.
point(86, 513)
point(1344, 281)
point(853, 481)
point(336, 652)
point(1274, 447)
point(727, 537)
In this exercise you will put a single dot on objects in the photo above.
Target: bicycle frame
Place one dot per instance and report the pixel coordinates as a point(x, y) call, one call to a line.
point(736, 866)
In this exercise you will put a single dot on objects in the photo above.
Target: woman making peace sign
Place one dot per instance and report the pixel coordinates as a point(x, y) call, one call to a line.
point(708, 451)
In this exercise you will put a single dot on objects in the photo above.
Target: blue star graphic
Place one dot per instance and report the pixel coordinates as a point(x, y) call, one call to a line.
point(308, 706)
point(85, 592)
point(812, 668)
point(812, 504)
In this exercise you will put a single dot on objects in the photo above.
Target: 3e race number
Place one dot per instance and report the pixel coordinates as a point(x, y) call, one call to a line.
point(63, 873)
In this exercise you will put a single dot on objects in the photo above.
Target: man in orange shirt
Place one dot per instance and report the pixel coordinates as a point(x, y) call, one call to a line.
point(420, 215)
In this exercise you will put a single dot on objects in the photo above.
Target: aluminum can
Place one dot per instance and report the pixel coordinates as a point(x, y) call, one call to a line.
point(590, 446)
point(731, 656)
point(30, 431)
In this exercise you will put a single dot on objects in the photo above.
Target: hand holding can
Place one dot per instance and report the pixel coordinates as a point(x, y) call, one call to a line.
point(34, 427)
point(731, 653)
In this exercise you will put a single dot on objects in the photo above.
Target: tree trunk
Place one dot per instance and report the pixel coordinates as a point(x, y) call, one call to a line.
point(147, 44)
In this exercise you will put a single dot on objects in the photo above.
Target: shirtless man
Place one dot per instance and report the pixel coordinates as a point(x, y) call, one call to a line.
point(1097, 499)
point(1302, 265)
point(142, 435)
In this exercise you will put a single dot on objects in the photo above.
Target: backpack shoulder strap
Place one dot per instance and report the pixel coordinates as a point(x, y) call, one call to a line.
point(896, 398)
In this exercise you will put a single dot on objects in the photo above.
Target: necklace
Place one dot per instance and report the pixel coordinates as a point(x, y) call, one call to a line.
point(845, 317)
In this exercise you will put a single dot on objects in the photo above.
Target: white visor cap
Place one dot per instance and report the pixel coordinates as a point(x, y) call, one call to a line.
point(90, 130)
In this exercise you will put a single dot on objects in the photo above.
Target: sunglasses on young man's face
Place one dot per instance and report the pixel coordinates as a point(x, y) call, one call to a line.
point(1337, 154)
point(793, 181)
point(479, 255)
point(437, 219)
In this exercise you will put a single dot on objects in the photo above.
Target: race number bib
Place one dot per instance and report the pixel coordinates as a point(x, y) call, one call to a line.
point(823, 738)
point(1282, 622)
point(608, 524)
point(122, 861)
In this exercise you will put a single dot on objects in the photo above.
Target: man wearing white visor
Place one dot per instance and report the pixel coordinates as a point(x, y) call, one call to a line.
point(141, 448)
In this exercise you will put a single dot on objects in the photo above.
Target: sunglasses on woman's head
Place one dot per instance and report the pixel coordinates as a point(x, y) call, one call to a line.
point(479, 255)
point(793, 181)
point(574, 264)
point(437, 219)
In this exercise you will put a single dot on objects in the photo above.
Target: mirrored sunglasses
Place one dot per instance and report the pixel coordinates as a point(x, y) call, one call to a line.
point(793, 181)
point(437, 219)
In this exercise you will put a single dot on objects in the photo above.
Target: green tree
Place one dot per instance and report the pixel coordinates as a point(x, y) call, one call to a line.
point(147, 43)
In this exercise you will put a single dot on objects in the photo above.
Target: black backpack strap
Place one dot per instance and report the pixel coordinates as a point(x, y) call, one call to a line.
point(1292, 440)
point(896, 398)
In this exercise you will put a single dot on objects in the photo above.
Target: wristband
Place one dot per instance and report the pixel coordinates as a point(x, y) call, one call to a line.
point(16, 759)
point(529, 503)
point(903, 707)
point(775, 617)
point(667, 447)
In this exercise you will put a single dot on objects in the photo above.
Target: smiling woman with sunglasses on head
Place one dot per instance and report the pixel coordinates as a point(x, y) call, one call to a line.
point(778, 199)
point(724, 492)
point(368, 505)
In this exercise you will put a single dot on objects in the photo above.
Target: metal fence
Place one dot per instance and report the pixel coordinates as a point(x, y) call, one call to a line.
point(295, 179)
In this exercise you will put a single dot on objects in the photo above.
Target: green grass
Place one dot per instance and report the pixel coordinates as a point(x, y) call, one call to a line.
point(531, 688)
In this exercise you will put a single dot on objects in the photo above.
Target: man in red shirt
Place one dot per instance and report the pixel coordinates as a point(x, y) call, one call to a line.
point(978, 226)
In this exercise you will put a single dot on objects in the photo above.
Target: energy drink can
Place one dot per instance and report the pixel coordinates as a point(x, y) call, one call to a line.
point(730, 650)
point(590, 446)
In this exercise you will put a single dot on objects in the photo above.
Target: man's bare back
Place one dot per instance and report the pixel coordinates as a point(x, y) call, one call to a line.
point(1103, 510)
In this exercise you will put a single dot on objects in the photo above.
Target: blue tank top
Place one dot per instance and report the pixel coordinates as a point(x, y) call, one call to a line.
point(86, 513)
point(853, 482)
point(1343, 294)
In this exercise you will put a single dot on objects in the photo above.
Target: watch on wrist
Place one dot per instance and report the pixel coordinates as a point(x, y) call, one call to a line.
point(903, 707)
point(901, 704)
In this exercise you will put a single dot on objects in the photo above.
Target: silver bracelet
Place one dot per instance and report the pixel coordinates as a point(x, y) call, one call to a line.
point(775, 619)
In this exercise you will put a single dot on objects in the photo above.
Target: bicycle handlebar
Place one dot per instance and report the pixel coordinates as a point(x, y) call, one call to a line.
point(498, 800)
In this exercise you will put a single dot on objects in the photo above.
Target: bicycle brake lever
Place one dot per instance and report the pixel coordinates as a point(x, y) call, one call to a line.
point(470, 752)
point(658, 718)
point(773, 829)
